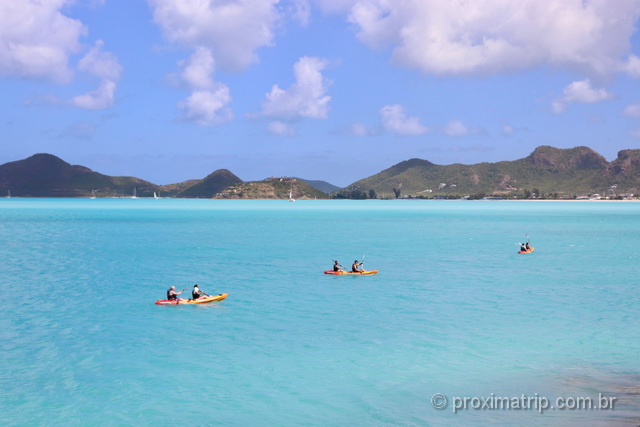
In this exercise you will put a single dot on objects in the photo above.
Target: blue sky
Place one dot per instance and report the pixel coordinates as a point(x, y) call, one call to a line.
point(338, 90)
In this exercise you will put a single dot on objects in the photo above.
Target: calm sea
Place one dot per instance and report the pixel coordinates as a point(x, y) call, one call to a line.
point(454, 310)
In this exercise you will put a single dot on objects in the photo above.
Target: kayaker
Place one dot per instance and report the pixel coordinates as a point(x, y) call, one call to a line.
point(197, 293)
point(337, 266)
point(172, 294)
point(527, 246)
point(523, 247)
point(354, 267)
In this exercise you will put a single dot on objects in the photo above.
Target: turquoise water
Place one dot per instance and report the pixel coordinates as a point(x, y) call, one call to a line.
point(454, 310)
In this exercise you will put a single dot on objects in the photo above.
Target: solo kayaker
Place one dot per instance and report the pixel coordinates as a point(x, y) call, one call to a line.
point(337, 266)
point(172, 294)
point(197, 293)
point(354, 267)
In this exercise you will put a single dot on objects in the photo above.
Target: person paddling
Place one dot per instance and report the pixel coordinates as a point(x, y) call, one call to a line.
point(197, 293)
point(354, 267)
point(172, 294)
point(337, 266)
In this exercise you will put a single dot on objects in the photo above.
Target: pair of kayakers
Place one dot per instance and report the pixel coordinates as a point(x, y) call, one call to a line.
point(355, 267)
point(525, 247)
point(196, 293)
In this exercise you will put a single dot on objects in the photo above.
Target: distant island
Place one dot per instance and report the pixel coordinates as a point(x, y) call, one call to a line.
point(547, 173)
point(45, 175)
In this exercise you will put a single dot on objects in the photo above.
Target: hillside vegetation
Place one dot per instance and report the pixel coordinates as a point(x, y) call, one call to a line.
point(273, 188)
point(548, 170)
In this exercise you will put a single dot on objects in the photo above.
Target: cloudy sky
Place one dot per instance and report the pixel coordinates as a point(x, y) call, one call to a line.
point(337, 90)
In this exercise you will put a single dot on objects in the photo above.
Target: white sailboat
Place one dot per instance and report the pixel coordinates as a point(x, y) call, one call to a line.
point(93, 194)
point(155, 196)
point(8, 194)
point(291, 199)
point(135, 193)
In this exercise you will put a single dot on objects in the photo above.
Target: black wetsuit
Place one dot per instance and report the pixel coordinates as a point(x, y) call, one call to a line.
point(170, 296)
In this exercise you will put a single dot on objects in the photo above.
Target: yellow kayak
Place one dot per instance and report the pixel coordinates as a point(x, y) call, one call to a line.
point(341, 272)
point(193, 301)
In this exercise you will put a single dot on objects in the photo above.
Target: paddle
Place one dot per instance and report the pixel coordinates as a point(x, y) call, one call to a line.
point(525, 246)
point(201, 293)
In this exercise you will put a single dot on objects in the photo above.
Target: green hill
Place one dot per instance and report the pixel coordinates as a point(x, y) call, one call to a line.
point(547, 170)
point(45, 175)
point(624, 172)
point(211, 185)
point(272, 188)
point(323, 186)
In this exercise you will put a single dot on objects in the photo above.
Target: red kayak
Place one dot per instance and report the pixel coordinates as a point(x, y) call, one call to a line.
point(192, 301)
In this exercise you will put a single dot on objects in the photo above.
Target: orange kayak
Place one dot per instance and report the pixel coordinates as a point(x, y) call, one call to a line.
point(526, 252)
point(193, 301)
point(340, 273)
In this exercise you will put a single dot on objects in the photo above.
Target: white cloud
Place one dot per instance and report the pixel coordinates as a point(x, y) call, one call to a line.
point(104, 65)
point(232, 29)
point(101, 64)
point(359, 129)
point(98, 99)
point(198, 69)
point(280, 128)
point(456, 128)
point(301, 11)
point(394, 120)
point(208, 103)
point(507, 130)
point(36, 39)
point(306, 96)
point(579, 92)
point(222, 33)
point(632, 66)
point(448, 37)
point(208, 107)
point(633, 110)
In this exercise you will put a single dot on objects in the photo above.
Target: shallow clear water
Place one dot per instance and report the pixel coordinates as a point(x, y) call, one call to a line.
point(454, 310)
